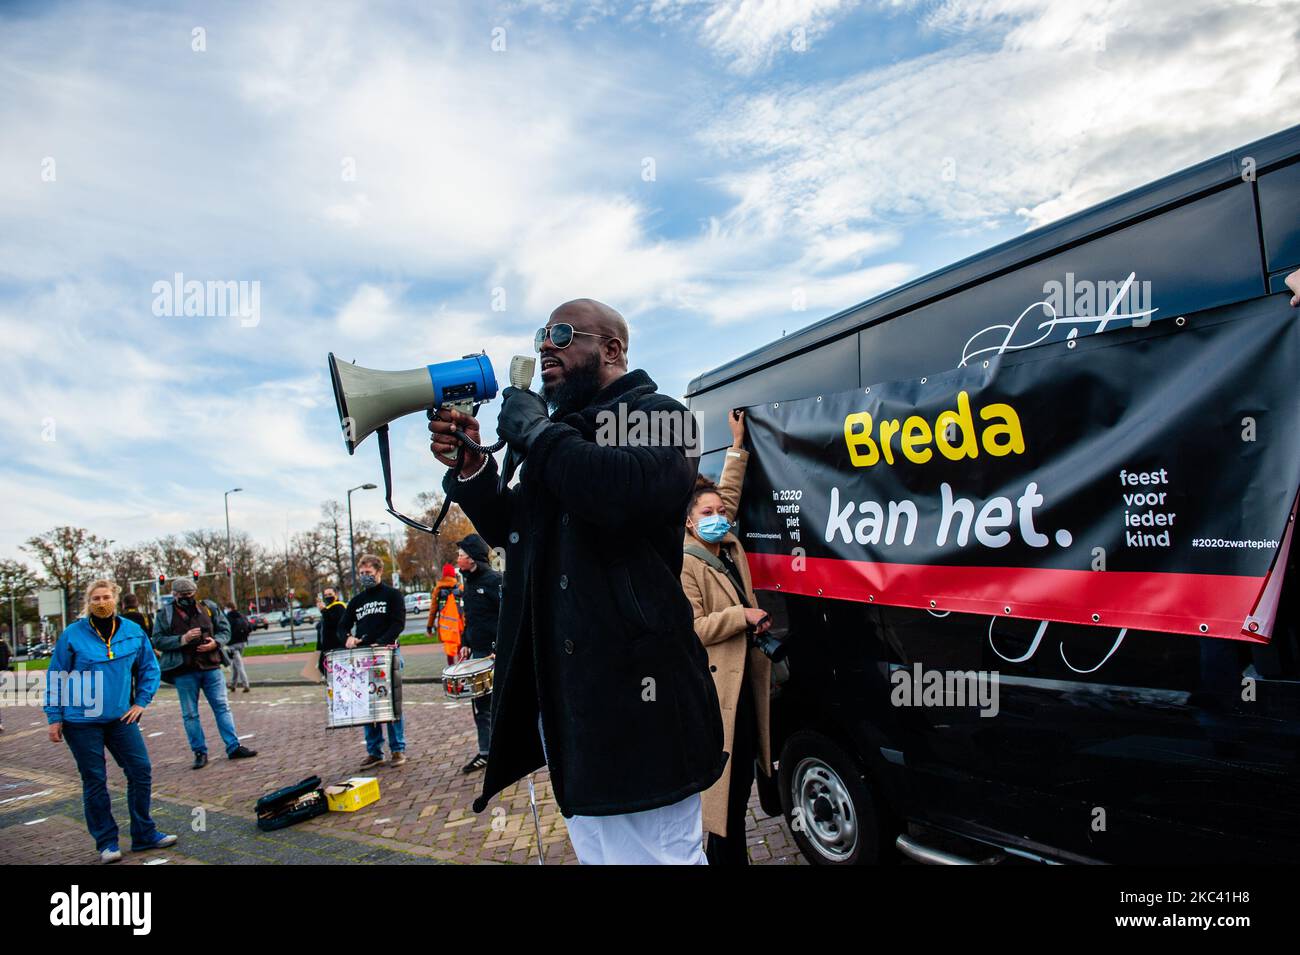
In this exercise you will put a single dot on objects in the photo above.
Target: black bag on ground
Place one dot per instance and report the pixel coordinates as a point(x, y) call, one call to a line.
point(291, 805)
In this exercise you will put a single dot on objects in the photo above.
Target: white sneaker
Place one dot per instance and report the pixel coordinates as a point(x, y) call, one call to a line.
point(111, 854)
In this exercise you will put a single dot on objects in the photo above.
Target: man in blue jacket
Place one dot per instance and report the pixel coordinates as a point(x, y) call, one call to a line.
point(102, 675)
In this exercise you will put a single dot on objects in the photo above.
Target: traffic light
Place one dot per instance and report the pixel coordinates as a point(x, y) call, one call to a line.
point(162, 580)
point(196, 577)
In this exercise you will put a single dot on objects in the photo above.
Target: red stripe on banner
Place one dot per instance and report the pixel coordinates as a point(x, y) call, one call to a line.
point(1175, 603)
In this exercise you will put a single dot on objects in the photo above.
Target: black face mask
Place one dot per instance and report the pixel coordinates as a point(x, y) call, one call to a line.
point(186, 603)
point(580, 385)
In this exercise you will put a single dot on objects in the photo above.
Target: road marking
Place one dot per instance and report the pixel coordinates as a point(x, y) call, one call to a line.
point(43, 792)
point(34, 822)
point(159, 733)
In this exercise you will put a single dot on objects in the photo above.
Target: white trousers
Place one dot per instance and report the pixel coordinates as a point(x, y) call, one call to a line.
point(669, 835)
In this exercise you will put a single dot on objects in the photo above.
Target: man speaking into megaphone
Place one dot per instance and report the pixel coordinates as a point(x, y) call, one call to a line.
point(596, 646)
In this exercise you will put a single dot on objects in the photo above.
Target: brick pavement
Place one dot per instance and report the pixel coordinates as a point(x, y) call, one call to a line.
point(423, 814)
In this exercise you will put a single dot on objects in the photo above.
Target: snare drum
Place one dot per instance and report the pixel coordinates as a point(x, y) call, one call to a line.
point(364, 687)
point(468, 680)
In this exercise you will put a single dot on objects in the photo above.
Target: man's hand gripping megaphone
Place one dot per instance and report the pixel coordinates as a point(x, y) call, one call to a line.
point(522, 418)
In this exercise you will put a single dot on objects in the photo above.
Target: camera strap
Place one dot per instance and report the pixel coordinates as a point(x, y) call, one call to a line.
point(719, 565)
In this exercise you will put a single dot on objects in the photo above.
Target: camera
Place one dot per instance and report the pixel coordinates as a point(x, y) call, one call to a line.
point(772, 648)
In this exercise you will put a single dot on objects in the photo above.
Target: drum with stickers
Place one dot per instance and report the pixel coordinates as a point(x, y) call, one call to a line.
point(363, 686)
point(468, 680)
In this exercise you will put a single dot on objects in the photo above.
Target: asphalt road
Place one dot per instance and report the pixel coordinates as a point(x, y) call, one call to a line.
point(279, 636)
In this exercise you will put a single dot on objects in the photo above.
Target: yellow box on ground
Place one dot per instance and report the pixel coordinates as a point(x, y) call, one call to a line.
point(351, 794)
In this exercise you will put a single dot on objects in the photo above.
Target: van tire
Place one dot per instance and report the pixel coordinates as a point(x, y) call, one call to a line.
point(826, 790)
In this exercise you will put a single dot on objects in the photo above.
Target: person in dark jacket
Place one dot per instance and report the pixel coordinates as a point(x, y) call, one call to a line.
point(131, 611)
point(482, 595)
point(239, 633)
point(378, 614)
point(190, 633)
point(5, 656)
point(596, 645)
point(328, 637)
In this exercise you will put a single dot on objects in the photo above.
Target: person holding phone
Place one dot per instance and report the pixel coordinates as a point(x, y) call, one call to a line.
point(190, 633)
point(715, 577)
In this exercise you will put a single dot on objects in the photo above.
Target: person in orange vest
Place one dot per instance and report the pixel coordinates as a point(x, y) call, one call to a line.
point(445, 615)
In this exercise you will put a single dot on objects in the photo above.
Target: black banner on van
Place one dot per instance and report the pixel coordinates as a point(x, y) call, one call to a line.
point(1142, 477)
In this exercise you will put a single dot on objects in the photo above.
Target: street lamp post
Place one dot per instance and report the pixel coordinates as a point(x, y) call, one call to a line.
point(230, 556)
point(352, 547)
point(288, 590)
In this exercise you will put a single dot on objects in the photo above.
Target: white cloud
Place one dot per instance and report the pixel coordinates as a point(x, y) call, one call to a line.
point(750, 33)
point(1029, 118)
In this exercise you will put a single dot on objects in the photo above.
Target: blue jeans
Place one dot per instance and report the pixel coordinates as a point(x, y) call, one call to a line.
point(213, 686)
point(396, 730)
point(88, 742)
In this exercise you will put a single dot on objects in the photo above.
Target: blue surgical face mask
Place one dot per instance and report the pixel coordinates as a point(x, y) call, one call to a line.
point(712, 528)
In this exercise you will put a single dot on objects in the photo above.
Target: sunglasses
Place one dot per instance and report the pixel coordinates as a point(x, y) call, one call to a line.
point(561, 335)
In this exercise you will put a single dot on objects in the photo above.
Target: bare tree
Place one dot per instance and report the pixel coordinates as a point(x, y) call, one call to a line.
point(70, 557)
point(131, 563)
point(334, 529)
point(422, 555)
point(169, 556)
point(312, 550)
point(17, 581)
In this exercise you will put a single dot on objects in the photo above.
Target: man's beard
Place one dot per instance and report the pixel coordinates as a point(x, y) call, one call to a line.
point(580, 385)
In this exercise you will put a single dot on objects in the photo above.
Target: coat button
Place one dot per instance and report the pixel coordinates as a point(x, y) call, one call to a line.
point(712, 668)
point(514, 537)
point(564, 582)
point(564, 518)
point(568, 646)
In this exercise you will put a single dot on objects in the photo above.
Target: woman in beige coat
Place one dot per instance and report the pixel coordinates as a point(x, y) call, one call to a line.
point(715, 576)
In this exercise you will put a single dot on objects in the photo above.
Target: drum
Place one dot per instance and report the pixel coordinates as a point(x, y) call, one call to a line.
point(363, 687)
point(469, 679)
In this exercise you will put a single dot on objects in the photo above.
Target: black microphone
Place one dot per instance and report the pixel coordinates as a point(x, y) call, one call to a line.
point(521, 376)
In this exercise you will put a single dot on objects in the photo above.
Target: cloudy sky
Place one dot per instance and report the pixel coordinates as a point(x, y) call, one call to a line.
point(411, 182)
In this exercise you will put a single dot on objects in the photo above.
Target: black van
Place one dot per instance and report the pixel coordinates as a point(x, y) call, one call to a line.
point(1153, 757)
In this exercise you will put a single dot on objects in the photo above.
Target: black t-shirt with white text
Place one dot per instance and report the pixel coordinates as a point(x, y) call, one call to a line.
point(376, 616)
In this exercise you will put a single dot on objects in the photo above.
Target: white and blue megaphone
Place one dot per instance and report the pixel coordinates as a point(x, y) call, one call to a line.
point(368, 400)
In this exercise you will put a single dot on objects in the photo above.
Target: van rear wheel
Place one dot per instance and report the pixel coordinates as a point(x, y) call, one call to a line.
point(827, 803)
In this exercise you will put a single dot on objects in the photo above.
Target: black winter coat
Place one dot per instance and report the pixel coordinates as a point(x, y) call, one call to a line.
point(482, 601)
point(327, 628)
point(595, 630)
